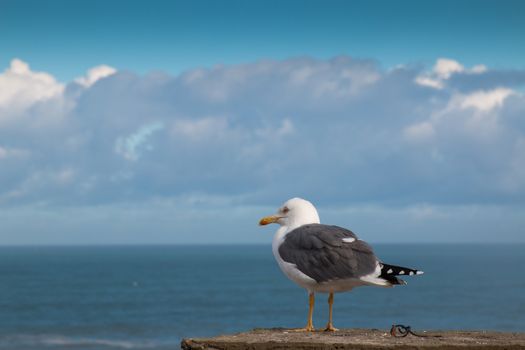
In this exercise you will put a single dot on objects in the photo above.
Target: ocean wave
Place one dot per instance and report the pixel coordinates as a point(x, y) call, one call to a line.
point(27, 341)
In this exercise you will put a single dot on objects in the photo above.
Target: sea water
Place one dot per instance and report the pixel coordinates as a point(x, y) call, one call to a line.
point(149, 297)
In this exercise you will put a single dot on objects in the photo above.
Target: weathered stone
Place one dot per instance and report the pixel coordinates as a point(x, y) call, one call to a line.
point(364, 339)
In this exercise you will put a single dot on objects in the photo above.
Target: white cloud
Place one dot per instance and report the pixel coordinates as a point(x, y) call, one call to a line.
point(443, 70)
point(428, 81)
point(37, 99)
point(445, 67)
point(131, 147)
point(472, 116)
point(272, 132)
point(95, 74)
point(485, 100)
point(20, 87)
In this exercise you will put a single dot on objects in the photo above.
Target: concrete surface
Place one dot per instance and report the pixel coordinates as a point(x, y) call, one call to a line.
point(266, 339)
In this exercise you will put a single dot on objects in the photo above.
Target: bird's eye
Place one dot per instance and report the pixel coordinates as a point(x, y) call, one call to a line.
point(285, 210)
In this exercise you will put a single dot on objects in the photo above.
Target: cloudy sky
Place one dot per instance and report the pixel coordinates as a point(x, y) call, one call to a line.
point(126, 122)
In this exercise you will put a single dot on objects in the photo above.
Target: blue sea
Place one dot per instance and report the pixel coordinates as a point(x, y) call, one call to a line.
point(150, 297)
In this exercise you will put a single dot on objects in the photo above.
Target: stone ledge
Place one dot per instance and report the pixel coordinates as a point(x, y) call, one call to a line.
point(364, 339)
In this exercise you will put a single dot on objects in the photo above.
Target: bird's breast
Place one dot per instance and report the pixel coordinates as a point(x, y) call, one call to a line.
point(290, 270)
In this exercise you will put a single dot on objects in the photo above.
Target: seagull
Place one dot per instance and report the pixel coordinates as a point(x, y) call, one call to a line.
point(325, 258)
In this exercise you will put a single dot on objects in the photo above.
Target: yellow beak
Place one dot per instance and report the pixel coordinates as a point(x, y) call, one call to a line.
point(269, 220)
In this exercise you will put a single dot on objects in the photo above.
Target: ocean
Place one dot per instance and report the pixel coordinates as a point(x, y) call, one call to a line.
point(150, 297)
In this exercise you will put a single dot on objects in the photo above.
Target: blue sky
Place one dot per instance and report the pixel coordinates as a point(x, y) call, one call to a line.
point(184, 122)
point(66, 37)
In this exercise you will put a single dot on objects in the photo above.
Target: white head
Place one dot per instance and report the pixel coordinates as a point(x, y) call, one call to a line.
point(294, 213)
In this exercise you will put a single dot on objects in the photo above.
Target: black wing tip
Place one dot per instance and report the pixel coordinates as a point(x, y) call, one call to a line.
point(392, 270)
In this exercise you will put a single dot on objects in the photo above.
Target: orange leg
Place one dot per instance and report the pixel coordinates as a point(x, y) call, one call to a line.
point(309, 325)
point(330, 327)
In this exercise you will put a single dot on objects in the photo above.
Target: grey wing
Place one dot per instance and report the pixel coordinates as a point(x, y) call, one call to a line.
point(326, 253)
